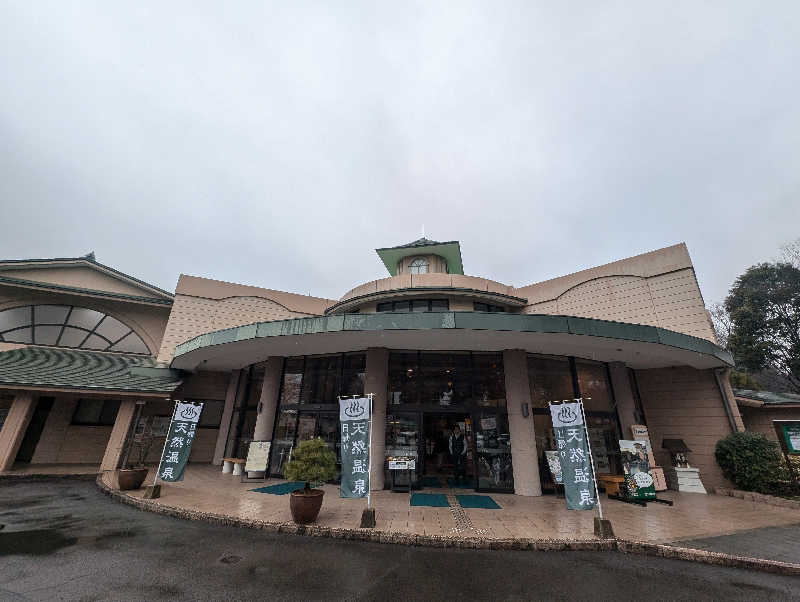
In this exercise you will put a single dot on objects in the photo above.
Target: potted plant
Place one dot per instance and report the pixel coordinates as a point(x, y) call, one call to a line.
point(131, 477)
point(314, 463)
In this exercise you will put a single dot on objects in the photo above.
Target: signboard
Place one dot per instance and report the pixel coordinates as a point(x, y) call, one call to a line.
point(640, 433)
point(788, 432)
point(404, 464)
point(354, 418)
point(489, 424)
point(636, 465)
point(554, 463)
point(178, 444)
point(576, 466)
point(257, 456)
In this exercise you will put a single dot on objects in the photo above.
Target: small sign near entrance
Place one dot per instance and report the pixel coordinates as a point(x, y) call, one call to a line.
point(257, 456)
point(402, 464)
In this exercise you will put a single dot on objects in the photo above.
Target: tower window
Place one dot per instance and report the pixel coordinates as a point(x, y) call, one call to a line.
point(418, 266)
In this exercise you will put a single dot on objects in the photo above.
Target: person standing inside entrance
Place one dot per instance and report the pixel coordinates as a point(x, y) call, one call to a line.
point(458, 453)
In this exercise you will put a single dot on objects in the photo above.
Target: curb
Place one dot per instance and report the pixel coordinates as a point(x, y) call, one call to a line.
point(759, 498)
point(471, 543)
point(48, 477)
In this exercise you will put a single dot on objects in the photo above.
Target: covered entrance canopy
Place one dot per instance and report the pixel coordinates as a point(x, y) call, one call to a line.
point(638, 346)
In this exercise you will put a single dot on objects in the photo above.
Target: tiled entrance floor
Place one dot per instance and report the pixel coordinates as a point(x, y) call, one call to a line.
point(206, 489)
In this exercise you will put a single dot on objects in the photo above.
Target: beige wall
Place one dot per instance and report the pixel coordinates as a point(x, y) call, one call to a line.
point(80, 277)
point(683, 403)
point(657, 288)
point(148, 321)
point(759, 420)
point(203, 305)
point(436, 264)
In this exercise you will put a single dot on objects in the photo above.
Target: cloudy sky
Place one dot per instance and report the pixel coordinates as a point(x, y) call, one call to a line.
point(279, 144)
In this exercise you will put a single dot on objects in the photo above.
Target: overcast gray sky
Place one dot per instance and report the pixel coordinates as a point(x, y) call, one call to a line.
point(278, 144)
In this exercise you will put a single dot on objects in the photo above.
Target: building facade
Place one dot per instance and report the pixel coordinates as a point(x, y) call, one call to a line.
point(83, 346)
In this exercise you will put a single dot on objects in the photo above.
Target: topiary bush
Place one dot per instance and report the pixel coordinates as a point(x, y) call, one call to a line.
point(750, 461)
point(313, 462)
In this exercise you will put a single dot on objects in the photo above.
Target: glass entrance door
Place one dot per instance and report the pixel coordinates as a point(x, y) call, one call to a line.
point(294, 427)
point(493, 452)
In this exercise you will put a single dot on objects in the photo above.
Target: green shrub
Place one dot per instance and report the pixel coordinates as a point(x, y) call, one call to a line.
point(313, 462)
point(750, 461)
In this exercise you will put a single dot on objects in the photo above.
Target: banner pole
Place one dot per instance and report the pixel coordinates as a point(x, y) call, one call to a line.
point(369, 462)
point(591, 459)
point(166, 441)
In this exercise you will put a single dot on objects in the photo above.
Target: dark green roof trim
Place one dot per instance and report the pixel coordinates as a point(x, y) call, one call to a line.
point(90, 259)
point(48, 368)
point(83, 291)
point(468, 320)
point(768, 397)
point(518, 301)
point(450, 250)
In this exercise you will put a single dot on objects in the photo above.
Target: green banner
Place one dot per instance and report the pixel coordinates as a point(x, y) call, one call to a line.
point(354, 418)
point(791, 436)
point(573, 449)
point(179, 441)
point(636, 465)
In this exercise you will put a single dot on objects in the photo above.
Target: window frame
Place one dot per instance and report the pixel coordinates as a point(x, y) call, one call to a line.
point(409, 303)
point(98, 422)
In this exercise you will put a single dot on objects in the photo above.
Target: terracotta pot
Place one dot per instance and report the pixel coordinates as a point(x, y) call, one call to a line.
point(131, 478)
point(305, 505)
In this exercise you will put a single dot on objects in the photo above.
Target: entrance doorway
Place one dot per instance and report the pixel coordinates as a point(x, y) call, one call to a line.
point(438, 462)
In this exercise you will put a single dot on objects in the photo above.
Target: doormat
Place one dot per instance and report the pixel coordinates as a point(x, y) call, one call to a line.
point(477, 501)
point(464, 484)
point(281, 488)
point(435, 500)
point(431, 482)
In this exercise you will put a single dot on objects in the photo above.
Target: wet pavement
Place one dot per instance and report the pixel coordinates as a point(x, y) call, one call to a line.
point(773, 543)
point(65, 540)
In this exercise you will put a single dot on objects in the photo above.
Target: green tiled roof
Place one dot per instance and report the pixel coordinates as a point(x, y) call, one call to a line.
point(768, 397)
point(451, 251)
point(71, 369)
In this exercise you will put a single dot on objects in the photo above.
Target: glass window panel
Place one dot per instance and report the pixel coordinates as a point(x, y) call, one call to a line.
point(321, 379)
point(386, 306)
point(440, 305)
point(112, 329)
point(15, 318)
point(94, 342)
point(47, 335)
point(50, 314)
point(493, 449)
point(404, 378)
point(402, 305)
point(419, 305)
point(211, 416)
point(292, 381)
point(72, 337)
point(85, 318)
point(256, 384)
point(496, 309)
point(21, 335)
point(108, 413)
point(402, 439)
point(480, 306)
point(131, 344)
point(353, 374)
point(283, 441)
point(446, 378)
point(593, 382)
point(489, 379)
point(550, 380)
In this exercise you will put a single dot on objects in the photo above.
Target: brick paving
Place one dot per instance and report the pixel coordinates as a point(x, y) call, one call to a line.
point(693, 516)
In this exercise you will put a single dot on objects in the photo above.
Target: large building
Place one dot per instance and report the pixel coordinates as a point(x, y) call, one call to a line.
point(84, 348)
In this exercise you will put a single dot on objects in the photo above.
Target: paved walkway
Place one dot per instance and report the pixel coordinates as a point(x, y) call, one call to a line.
point(773, 543)
point(693, 516)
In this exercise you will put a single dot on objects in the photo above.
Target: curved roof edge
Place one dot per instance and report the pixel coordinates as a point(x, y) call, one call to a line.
point(523, 323)
point(427, 290)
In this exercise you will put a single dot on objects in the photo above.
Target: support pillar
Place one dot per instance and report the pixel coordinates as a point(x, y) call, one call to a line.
point(14, 428)
point(524, 459)
point(227, 414)
point(624, 397)
point(268, 402)
point(376, 382)
point(119, 435)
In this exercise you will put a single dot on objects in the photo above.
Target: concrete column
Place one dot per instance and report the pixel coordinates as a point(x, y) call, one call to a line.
point(119, 435)
point(268, 402)
point(227, 414)
point(524, 460)
point(14, 428)
point(377, 382)
point(624, 396)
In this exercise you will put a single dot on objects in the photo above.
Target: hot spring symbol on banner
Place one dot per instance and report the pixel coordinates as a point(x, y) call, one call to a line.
point(580, 488)
point(355, 420)
point(178, 444)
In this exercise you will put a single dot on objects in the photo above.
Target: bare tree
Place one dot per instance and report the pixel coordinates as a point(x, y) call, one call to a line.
point(790, 253)
point(721, 321)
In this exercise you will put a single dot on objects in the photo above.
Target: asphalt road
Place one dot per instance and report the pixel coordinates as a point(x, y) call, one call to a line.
point(64, 540)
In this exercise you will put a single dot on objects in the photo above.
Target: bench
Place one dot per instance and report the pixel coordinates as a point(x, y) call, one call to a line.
point(233, 465)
